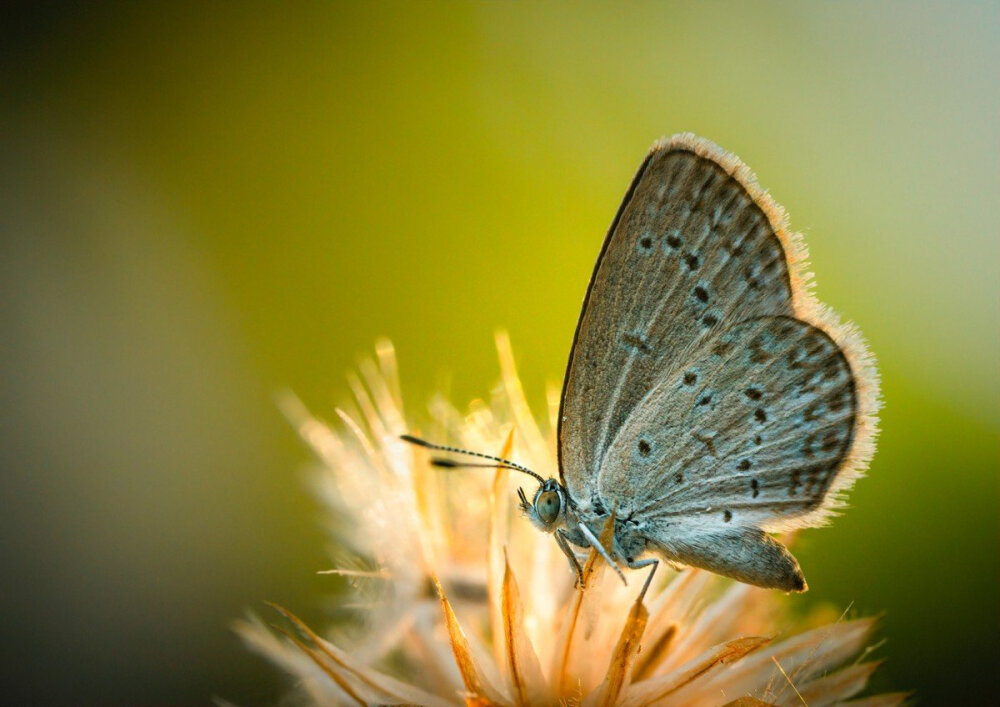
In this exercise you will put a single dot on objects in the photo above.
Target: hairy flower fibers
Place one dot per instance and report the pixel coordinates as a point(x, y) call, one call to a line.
point(453, 599)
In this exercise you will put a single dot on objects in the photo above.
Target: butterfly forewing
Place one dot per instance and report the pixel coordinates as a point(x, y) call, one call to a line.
point(690, 254)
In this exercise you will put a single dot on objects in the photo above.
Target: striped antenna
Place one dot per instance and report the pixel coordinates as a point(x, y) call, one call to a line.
point(448, 464)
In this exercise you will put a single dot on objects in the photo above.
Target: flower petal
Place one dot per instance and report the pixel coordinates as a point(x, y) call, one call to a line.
point(332, 671)
point(386, 354)
point(476, 683)
point(495, 561)
point(313, 678)
point(382, 382)
point(650, 691)
point(801, 657)
point(368, 413)
point(723, 618)
point(668, 613)
point(527, 681)
point(573, 651)
point(363, 679)
point(831, 689)
point(889, 699)
point(653, 654)
point(622, 659)
point(523, 418)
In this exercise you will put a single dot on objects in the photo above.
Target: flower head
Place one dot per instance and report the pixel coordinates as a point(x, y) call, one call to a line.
point(455, 599)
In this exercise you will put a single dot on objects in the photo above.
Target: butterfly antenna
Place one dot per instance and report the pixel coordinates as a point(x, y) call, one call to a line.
point(448, 464)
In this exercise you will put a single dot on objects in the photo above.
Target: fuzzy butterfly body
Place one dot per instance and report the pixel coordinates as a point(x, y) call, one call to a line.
point(708, 397)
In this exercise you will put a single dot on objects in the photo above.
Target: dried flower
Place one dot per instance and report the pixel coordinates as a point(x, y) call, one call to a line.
point(453, 599)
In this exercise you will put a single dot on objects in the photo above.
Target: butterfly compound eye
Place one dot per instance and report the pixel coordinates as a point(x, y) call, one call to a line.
point(547, 506)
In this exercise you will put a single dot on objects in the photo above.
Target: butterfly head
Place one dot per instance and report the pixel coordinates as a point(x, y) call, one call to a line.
point(547, 511)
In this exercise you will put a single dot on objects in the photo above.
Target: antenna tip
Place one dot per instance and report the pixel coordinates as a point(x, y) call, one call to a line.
point(414, 440)
point(445, 463)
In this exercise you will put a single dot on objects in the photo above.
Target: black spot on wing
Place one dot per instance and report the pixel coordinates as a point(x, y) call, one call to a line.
point(636, 342)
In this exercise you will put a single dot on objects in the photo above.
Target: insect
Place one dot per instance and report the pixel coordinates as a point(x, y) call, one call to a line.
point(709, 399)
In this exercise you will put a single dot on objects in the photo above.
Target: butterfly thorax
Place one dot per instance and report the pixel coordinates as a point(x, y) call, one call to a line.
point(553, 510)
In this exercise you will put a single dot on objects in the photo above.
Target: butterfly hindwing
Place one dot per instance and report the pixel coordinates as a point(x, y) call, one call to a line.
point(691, 252)
point(752, 431)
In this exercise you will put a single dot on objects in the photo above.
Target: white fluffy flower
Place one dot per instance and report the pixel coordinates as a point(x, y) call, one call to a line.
point(454, 599)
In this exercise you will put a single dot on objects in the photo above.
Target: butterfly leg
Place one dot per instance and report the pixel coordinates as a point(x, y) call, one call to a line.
point(563, 544)
point(650, 562)
point(596, 544)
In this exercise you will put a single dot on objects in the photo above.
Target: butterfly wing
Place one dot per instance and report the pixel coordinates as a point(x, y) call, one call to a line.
point(750, 432)
point(706, 400)
point(694, 249)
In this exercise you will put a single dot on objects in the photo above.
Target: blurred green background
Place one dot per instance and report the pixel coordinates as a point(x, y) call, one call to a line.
point(203, 203)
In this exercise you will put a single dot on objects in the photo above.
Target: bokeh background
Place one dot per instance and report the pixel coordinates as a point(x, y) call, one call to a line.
point(201, 204)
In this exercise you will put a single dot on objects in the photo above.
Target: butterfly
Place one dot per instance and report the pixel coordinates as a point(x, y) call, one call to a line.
point(709, 399)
